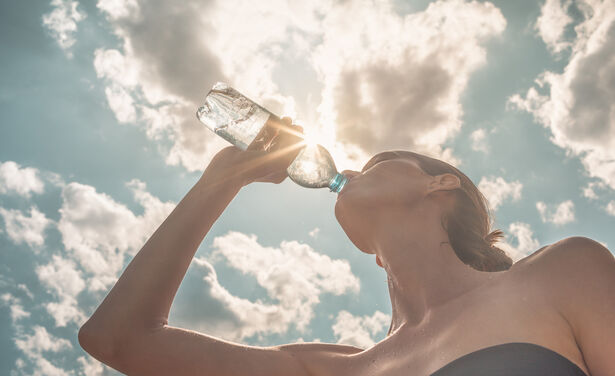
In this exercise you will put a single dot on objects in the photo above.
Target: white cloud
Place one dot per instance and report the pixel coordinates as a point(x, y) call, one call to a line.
point(589, 190)
point(496, 190)
point(526, 243)
point(22, 181)
point(99, 232)
point(372, 72)
point(293, 274)
point(578, 105)
point(610, 208)
point(395, 82)
point(25, 289)
point(314, 232)
point(37, 343)
point(63, 278)
point(90, 222)
point(162, 73)
point(121, 104)
point(95, 228)
point(44, 367)
point(91, 366)
point(62, 21)
point(23, 229)
point(116, 67)
point(479, 143)
point(301, 340)
point(552, 23)
point(117, 9)
point(123, 75)
point(65, 310)
point(542, 209)
point(359, 331)
point(563, 214)
point(17, 310)
point(240, 318)
point(41, 340)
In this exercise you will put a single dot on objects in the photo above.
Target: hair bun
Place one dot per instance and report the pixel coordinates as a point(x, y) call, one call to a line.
point(493, 237)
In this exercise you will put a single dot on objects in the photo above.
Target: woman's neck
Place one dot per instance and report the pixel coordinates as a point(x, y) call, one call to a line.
point(416, 301)
point(424, 273)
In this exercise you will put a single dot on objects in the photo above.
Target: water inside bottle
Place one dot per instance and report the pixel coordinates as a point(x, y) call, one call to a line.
point(232, 116)
point(313, 167)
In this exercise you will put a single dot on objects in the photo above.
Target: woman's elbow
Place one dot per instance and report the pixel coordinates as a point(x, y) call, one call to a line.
point(96, 342)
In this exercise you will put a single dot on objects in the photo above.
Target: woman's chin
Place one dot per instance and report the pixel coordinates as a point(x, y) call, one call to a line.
point(343, 208)
point(361, 246)
point(351, 227)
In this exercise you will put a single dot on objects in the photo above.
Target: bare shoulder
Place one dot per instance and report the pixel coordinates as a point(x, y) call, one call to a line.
point(574, 264)
point(321, 359)
point(573, 253)
point(564, 270)
point(577, 277)
point(570, 273)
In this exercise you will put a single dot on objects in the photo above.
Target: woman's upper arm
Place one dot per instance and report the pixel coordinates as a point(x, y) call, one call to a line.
point(175, 351)
point(585, 273)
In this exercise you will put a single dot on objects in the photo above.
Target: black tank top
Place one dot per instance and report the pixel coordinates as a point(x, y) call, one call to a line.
point(511, 359)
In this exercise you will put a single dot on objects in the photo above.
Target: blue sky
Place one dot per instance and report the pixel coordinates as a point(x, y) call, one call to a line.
point(99, 141)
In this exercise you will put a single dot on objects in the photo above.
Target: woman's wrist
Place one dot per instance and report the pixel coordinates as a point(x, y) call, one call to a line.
point(216, 181)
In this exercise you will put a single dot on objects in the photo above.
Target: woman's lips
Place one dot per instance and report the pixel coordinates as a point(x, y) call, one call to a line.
point(345, 187)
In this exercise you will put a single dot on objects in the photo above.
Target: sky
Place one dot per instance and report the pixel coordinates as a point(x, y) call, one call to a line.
point(99, 142)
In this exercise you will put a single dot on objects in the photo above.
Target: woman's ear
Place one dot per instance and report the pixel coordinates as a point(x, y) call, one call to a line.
point(445, 182)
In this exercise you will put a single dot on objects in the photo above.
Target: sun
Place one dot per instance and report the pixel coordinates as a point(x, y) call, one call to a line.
point(312, 137)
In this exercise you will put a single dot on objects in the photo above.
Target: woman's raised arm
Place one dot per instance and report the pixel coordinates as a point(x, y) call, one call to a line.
point(129, 330)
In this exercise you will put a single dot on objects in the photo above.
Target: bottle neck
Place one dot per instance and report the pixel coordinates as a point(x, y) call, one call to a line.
point(337, 183)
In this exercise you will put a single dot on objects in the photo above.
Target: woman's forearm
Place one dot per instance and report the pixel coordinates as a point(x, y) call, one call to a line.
point(141, 299)
point(139, 303)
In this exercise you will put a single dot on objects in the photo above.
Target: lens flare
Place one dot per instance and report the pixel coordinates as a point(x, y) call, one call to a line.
point(311, 137)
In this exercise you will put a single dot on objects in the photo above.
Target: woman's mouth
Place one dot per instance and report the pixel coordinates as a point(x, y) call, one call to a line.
point(345, 187)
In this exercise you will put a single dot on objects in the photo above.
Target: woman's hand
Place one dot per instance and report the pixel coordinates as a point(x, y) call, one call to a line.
point(232, 164)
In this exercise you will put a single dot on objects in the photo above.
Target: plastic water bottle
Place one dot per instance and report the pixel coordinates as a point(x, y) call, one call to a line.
point(245, 124)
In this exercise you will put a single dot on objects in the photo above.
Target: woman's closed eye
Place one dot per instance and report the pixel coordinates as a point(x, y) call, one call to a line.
point(367, 167)
point(374, 161)
point(379, 158)
point(370, 164)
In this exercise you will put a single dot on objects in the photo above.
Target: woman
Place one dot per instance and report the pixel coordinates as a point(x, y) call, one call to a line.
point(459, 305)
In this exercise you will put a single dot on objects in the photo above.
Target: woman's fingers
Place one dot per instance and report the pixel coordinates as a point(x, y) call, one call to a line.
point(270, 164)
point(289, 136)
point(287, 120)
